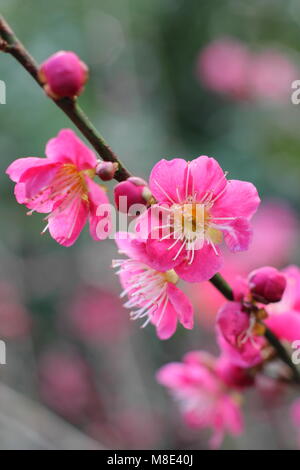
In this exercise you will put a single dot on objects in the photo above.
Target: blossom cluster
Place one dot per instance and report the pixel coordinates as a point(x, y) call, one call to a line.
point(190, 213)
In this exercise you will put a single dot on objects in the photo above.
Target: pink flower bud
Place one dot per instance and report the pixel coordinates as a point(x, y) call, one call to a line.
point(106, 170)
point(63, 75)
point(267, 284)
point(132, 191)
point(233, 375)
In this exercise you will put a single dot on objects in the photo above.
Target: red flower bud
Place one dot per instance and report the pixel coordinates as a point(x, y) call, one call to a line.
point(267, 284)
point(132, 191)
point(63, 75)
point(106, 170)
point(233, 375)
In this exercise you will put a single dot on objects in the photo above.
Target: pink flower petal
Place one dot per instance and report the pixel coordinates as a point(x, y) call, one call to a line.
point(232, 416)
point(129, 244)
point(238, 235)
point(68, 148)
point(240, 199)
point(65, 227)
point(162, 255)
point(97, 198)
point(285, 325)
point(37, 178)
point(149, 223)
point(235, 338)
point(39, 204)
point(182, 305)
point(171, 375)
point(18, 167)
point(205, 265)
point(167, 180)
point(165, 322)
point(206, 175)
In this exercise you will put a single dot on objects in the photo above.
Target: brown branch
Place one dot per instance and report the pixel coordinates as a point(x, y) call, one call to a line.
point(10, 43)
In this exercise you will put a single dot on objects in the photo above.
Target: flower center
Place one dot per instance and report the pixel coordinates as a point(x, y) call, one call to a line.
point(69, 181)
point(192, 224)
point(171, 276)
point(190, 219)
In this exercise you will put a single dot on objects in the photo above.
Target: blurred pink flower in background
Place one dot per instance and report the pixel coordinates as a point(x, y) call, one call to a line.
point(222, 66)
point(232, 374)
point(66, 386)
point(271, 75)
point(14, 320)
point(97, 315)
point(226, 66)
point(202, 396)
point(275, 237)
point(130, 428)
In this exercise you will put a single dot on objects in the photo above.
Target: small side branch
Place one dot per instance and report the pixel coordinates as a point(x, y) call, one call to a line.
point(219, 282)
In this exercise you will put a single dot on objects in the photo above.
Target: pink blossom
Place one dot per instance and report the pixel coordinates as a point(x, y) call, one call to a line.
point(272, 217)
point(200, 208)
point(61, 185)
point(223, 66)
point(271, 75)
point(231, 374)
point(237, 336)
point(152, 294)
point(284, 316)
point(204, 399)
point(63, 75)
point(96, 316)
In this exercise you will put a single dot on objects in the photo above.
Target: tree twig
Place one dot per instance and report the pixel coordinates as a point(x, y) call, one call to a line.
point(219, 282)
point(10, 43)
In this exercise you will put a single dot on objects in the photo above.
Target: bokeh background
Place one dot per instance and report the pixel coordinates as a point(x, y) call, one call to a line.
point(80, 374)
